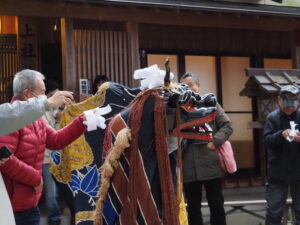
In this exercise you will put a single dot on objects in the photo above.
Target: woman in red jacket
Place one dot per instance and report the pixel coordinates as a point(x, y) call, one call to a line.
point(22, 173)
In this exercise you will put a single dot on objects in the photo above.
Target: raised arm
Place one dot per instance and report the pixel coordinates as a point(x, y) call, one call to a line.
point(63, 137)
point(16, 115)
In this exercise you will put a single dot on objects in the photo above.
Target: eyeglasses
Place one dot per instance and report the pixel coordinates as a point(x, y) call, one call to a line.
point(41, 92)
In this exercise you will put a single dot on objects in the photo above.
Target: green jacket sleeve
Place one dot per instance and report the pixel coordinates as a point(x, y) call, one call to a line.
point(223, 127)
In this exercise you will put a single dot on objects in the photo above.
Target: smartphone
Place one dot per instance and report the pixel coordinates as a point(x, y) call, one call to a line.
point(5, 152)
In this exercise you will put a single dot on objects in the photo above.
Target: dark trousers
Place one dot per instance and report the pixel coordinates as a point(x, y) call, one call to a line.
point(68, 198)
point(51, 195)
point(215, 199)
point(276, 195)
point(28, 217)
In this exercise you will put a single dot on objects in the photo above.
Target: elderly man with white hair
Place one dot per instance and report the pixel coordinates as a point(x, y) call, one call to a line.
point(22, 173)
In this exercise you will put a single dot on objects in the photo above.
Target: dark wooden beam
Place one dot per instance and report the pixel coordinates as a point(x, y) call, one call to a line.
point(146, 15)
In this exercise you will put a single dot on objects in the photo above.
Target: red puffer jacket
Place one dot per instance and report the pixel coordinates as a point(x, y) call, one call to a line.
point(23, 171)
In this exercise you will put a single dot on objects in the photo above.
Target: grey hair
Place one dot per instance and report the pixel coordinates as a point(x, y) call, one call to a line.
point(192, 75)
point(25, 79)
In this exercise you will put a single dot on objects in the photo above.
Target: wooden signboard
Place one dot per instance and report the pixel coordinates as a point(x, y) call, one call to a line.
point(27, 43)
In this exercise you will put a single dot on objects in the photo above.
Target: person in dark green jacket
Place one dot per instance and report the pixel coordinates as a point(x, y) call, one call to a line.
point(201, 166)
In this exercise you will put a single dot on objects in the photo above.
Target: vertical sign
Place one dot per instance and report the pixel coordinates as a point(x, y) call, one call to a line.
point(28, 48)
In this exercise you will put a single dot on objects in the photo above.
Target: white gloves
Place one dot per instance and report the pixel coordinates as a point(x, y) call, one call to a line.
point(95, 119)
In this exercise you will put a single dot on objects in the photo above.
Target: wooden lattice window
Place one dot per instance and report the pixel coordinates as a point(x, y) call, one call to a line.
point(8, 65)
point(266, 105)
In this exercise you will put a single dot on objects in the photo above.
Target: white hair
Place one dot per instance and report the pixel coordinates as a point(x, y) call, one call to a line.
point(192, 75)
point(25, 79)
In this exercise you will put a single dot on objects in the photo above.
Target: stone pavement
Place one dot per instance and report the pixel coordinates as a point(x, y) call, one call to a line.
point(235, 218)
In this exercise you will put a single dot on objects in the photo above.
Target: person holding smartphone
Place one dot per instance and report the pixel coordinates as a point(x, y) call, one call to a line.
point(22, 173)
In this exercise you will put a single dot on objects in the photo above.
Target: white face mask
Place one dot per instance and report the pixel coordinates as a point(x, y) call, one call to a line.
point(38, 95)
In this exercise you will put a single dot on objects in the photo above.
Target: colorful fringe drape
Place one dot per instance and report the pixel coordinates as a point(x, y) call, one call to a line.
point(139, 181)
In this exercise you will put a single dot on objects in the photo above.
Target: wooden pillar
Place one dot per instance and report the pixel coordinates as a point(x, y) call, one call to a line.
point(296, 49)
point(70, 81)
point(132, 29)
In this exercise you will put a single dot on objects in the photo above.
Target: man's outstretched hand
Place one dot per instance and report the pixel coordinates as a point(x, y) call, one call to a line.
point(60, 98)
